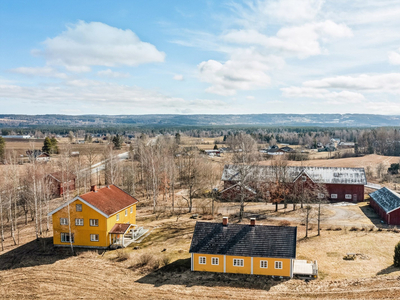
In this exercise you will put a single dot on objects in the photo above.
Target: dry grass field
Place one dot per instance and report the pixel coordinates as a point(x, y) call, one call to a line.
point(159, 268)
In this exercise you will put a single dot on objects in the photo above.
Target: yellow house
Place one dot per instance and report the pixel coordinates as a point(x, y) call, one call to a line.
point(99, 219)
point(245, 249)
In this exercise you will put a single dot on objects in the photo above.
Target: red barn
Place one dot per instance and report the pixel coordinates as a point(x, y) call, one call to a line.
point(59, 183)
point(342, 184)
point(386, 203)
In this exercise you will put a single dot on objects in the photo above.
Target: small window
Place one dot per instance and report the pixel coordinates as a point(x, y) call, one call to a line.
point(79, 207)
point(238, 262)
point(202, 260)
point(78, 222)
point(303, 178)
point(334, 196)
point(132, 209)
point(348, 196)
point(94, 237)
point(63, 221)
point(278, 265)
point(65, 238)
point(94, 222)
point(117, 217)
point(126, 212)
point(263, 264)
point(215, 261)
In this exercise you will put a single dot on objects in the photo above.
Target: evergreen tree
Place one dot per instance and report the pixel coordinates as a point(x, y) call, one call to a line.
point(215, 147)
point(2, 148)
point(117, 141)
point(47, 145)
point(177, 138)
point(54, 145)
point(396, 257)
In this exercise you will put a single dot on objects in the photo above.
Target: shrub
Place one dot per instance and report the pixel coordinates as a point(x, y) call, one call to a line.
point(165, 260)
point(353, 228)
point(144, 259)
point(338, 229)
point(284, 223)
point(396, 257)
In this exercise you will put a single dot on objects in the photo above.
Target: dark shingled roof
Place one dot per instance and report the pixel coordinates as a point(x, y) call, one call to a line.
point(324, 175)
point(386, 199)
point(244, 240)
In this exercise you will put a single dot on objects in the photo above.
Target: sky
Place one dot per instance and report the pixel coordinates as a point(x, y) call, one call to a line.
point(199, 57)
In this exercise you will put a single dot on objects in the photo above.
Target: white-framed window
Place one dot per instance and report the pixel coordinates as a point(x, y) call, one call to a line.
point(304, 178)
point(94, 237)
point(94, 222)
point(126, 212)
point(79, 207)
point(202, 260)
point(278, 265)
point(63, 221)
point(333, 196)
point(131, 209)
point(117, 217)
point(237, 262)
point(78, 222)
point(263, 264)
point(215, 261)
point(65, 237)
point(347, 196)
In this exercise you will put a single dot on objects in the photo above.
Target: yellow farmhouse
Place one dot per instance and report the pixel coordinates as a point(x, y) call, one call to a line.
point(99, 219)
point(245, 249)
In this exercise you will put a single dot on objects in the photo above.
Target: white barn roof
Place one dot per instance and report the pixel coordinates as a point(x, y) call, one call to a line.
point(324, 175)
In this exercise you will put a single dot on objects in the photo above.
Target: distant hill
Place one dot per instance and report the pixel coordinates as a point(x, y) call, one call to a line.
point(324, 120)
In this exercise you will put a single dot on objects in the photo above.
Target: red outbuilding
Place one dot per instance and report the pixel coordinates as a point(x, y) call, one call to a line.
point(59, 182)
point(386, 203)
point(342, 184)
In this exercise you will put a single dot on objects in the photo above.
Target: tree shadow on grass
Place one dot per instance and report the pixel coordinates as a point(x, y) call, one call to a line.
point(179, 273)
point(35, 253)
point(388, 270)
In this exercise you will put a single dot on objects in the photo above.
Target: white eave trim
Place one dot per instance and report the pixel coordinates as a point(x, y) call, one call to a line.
point(82, 200)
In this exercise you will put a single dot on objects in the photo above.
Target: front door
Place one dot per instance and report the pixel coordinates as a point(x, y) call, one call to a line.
point(355, 198)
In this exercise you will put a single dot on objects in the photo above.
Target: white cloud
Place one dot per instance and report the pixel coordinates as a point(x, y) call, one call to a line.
point(40, 71)
point(292, 11)
point(112, 74)
point(331, 97)
point(109, 96)
point(250, 97)
point(302, 41)
point(246, 70)
point(376, 82)
point(394, 57)
point(178, 77)
point(84, 45)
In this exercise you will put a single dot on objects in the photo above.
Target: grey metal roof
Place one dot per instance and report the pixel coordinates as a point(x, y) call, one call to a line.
point(387, 199)
point(244, 240)
point(290, 173)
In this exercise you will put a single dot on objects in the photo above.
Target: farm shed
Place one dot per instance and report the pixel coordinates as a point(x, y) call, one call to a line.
point(59, 182)
point(386, 203)
point(246, 249)
point(342, 184)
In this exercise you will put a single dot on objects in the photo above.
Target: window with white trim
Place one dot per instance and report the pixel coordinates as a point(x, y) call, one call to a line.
point(202, 260)
point(94, 222)
point(132, 209)
point(347, 196)
point(63, 221)
point(215, 261)
point(117, 217)
point(126, 212)
point(65, 237)
point(278, 265)
point(79, 207)
point(237, 262)
point(263, 264)
point(78, 222)
point(94, 237)
point(334, 196)
point(303, 178)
